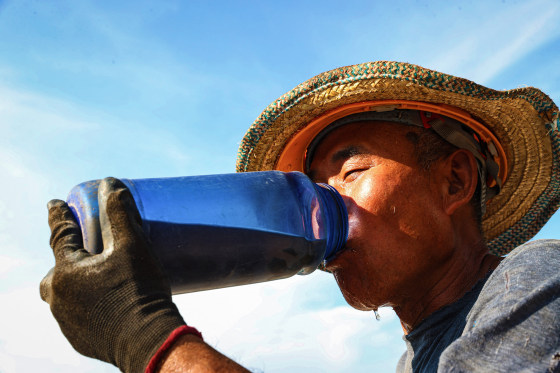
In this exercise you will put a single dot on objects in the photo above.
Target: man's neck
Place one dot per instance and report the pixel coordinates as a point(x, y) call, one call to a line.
point(452, 283)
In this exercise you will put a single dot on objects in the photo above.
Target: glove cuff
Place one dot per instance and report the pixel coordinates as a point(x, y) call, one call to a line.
point(173, 337)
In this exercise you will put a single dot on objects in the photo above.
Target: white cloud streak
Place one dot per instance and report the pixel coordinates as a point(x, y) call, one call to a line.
point(8, 263)
point(31, 340)
point(494, 43)
point(267, 327)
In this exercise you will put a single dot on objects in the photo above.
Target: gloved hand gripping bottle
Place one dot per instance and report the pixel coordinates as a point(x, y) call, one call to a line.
point(216, 231)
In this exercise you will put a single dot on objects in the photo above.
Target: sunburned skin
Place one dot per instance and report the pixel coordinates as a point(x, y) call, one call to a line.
point(413, 242)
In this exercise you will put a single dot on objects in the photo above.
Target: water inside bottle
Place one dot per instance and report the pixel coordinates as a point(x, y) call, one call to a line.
point(246, 256)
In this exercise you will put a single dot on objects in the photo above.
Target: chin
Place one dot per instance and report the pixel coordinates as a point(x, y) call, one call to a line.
point(356, 301)
point(361, 307)
point(355, 292)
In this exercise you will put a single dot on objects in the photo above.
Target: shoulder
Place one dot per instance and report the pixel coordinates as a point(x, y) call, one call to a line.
point(542, 253)
point(528, 278)
point(515, 323)
point(532, 264)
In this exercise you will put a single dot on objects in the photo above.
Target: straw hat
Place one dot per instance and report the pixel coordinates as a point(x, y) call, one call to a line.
point(519, 126)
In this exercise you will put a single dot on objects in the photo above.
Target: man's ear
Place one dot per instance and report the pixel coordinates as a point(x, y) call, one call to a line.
point(460, 177)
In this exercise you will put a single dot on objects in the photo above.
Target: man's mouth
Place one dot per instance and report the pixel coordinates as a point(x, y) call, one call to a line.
point(332, 261)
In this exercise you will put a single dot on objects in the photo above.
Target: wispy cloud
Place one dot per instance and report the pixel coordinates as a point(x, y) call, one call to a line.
point(8, 263)
point(490, 45)
point(280, 334)
point(31, 340)
point(34, 111)
point(119, 47)
point(42, 134)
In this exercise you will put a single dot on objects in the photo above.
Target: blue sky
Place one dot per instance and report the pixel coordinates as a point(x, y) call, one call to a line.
point(132, 89)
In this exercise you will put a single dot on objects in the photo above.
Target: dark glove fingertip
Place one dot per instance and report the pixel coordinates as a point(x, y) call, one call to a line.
point(59, 212)
point(55, 203)
point(130, 205)
point(110, 184)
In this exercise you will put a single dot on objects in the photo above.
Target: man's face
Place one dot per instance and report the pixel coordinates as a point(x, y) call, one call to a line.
point(399, 234)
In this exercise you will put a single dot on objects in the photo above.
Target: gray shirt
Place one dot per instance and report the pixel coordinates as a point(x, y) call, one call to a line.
point(509, 322)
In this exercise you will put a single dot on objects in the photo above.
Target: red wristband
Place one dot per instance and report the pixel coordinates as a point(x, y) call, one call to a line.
point(180, 331)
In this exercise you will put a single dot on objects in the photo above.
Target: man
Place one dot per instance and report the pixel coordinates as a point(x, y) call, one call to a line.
point(441, 178)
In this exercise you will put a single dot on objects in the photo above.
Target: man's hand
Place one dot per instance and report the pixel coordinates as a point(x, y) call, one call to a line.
point(114, 306)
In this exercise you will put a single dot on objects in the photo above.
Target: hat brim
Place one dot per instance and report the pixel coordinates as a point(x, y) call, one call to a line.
point(524, 121)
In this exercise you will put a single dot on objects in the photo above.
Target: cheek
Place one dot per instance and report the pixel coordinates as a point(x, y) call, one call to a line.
point(371, 204)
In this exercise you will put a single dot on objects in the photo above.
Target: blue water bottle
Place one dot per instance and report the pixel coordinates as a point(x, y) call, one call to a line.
point(216, 231)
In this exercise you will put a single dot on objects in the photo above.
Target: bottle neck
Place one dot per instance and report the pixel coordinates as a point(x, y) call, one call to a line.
point(336, 219)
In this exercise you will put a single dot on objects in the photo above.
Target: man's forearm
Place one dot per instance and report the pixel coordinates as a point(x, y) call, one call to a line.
point(190, 354)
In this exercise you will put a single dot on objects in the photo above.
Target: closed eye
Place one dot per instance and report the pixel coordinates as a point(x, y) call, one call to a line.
point(353, 174)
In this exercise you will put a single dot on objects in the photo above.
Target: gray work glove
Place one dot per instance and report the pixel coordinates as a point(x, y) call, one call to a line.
point(114, 306)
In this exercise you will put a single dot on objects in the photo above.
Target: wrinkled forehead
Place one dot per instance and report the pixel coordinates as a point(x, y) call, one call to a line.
point(350, 139)
point(395, 118)
point(365, 138)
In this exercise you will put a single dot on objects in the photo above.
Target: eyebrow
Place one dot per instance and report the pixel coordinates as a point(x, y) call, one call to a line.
point(345, 153)
point(342, 154)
